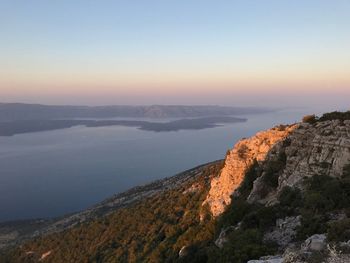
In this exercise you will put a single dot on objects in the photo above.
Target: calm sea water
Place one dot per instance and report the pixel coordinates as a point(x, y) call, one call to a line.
point(48, 174)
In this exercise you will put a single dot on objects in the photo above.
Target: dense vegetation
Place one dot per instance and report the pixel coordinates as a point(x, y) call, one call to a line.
point(336, 115)
point(324, 197)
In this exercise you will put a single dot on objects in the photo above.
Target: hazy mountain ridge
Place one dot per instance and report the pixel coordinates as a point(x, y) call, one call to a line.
point(10, 128)
point(19, 118)
point(21, 111)
point(292, 202)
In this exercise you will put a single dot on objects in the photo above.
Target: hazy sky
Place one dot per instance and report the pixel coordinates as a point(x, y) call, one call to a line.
point(175, 51)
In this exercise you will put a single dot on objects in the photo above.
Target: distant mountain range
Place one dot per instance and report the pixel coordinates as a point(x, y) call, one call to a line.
point(10, 128)
point(21, 111)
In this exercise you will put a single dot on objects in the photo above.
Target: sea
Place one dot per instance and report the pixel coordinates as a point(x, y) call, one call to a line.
point(54, 173)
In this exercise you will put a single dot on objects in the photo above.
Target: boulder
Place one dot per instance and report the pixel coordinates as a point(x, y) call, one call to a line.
point(315, 243)
point(284, 231)
point(268, 259)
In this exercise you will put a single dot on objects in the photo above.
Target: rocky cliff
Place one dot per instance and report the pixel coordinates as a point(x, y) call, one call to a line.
point(322, 148)
point(238, 161)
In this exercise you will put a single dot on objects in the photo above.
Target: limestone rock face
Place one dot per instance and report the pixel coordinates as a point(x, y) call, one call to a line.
point(238, 161)
point(323, 148)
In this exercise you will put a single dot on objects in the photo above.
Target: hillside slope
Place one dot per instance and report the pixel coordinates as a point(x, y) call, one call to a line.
point(144, 224)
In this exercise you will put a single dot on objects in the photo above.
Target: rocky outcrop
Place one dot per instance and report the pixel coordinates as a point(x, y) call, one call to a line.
point(322, 148)
point(238, 161)
point(284, 231)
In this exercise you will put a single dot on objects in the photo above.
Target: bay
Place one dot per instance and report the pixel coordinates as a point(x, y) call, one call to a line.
point(48, 174)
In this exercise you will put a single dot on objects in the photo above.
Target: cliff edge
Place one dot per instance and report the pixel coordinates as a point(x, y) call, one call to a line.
point(238, 161)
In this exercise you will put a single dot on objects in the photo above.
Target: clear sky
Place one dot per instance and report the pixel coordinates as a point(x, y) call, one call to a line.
point(174, 51)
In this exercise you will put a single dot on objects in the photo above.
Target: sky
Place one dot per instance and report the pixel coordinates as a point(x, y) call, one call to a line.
point(175, 52)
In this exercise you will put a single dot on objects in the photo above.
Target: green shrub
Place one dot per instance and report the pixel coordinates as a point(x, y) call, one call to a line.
point(346, 171)
point(271, 177)
point(290, 197)
point(247, 184)
point(311, 224)
point(310, 119)
point(325, 193)
point(261, 218)
point(336, 115)
point(274, 169)
point(339, 230)
point(244, 245)
point(317, 202)
point(235, 213)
